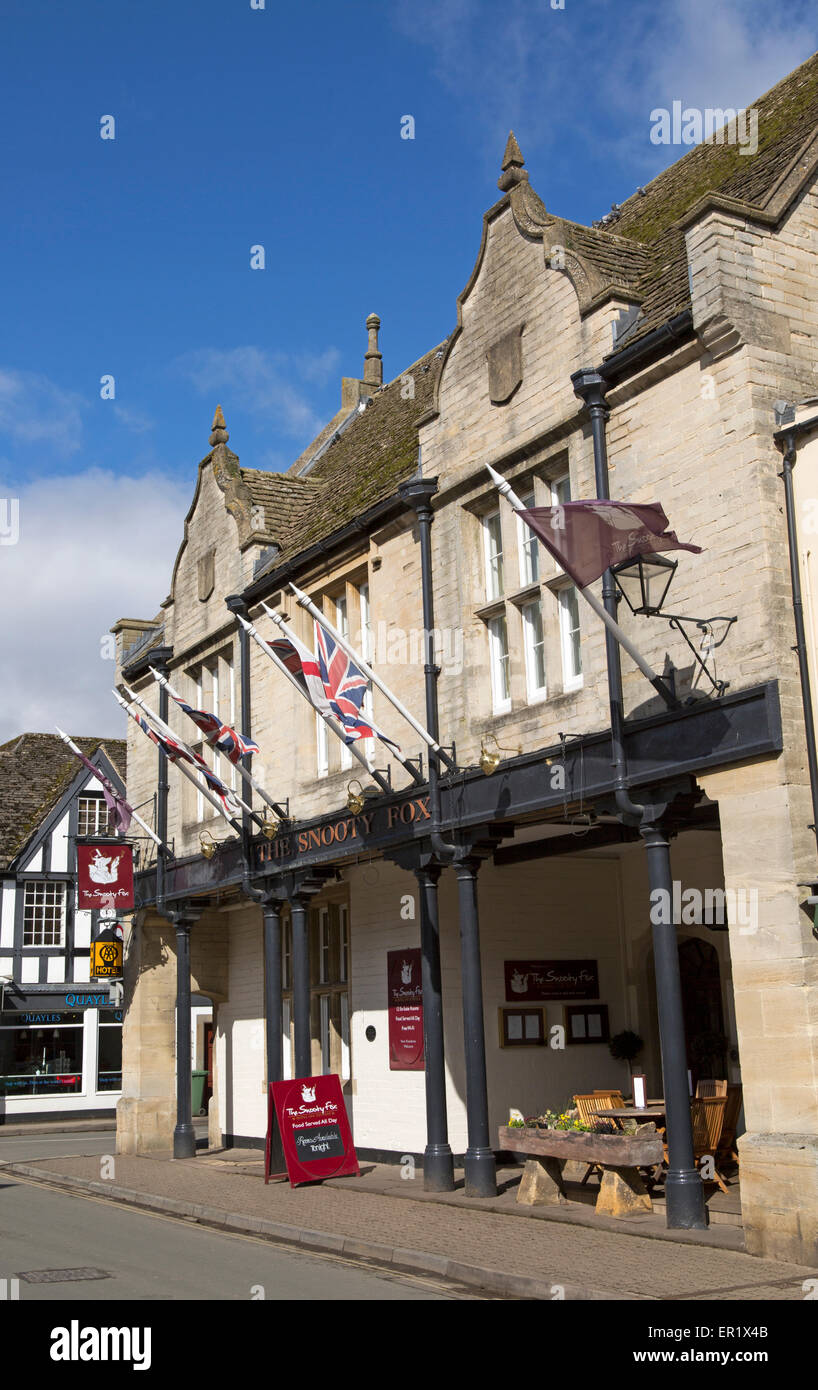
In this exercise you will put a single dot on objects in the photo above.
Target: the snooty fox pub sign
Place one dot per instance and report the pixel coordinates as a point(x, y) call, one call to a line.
point(347, 833)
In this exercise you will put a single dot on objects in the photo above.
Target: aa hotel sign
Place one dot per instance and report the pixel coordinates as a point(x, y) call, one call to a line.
point(347, 832)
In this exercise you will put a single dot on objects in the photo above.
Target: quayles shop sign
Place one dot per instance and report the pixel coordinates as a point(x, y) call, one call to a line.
point(383, 821)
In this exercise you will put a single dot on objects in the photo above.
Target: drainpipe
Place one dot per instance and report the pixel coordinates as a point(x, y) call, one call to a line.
point(438, 1161)
point(418, 492)
point(786, 441)
point(683, 1186)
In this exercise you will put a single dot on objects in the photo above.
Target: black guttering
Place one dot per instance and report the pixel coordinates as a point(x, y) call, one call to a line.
point(654, 345)
point(360, 528)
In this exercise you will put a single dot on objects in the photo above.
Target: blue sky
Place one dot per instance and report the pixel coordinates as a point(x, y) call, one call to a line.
point(281, 127)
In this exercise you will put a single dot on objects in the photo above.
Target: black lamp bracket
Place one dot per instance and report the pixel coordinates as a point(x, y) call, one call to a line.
point(709, 642)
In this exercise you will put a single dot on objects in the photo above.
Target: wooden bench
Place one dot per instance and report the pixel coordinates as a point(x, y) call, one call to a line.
point(621, 1192)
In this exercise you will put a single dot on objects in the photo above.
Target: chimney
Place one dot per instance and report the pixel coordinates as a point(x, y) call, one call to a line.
point(373, 361)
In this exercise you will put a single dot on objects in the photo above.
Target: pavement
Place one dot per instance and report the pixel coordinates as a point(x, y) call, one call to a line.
point(495, 1246)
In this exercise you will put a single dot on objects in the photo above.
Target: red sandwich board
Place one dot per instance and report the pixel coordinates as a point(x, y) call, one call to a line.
point(105, 875)
point(308, 1131)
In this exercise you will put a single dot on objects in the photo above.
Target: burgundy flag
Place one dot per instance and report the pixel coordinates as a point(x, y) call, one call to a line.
point(117, 805)
point(586, 538)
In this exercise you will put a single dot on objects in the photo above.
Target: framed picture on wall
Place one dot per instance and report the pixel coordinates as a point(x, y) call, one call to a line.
point(586, 1023)
point(521, 1027)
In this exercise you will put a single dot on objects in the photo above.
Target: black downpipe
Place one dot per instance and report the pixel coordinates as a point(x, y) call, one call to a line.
point(788, 461)
point(685, 1192)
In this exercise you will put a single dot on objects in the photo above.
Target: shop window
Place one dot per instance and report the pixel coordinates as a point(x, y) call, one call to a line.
point(43, 914)
point(109, 1051)
point(92, 816)
point(42, 1059)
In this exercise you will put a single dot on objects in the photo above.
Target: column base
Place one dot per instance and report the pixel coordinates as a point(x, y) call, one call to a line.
point(481, 1173)
point(779, 1196)
point(438, 1168)
point(684, 1198)
point(184, 1142)
point(144, 1126)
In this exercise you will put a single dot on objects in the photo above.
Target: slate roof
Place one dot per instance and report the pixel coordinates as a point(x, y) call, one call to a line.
point(787, 118)
point(362, 466)
point(642, 254)
point(35, 770)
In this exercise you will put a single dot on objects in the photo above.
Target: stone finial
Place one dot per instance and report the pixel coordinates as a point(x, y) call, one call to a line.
point(373, 360)
point(218, 433)
point(513, 171)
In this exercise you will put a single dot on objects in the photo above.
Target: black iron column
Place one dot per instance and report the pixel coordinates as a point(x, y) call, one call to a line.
point(683, 1186)
point(272, 988)
point(301, 986)
point(184, 1138)
point(438, 1162)
point(479, 1165)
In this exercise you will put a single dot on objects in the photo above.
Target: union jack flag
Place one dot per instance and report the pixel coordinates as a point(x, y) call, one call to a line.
point(301, 663)
point(233, 744)
point(345, 686)
point(174, 751)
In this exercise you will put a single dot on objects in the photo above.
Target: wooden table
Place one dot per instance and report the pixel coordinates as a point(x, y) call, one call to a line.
point(632, 1112)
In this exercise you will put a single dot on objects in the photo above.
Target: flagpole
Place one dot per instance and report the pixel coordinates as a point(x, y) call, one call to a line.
point(306, 602)
point(329, 719)
point(182, 766)
point(591, 599)
point(211, 742)
point(134, 816)
point(413, 771)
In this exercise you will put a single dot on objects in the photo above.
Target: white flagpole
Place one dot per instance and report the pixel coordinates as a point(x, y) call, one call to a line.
point(306, 602)
point(182, 766)
point(590, 598)
point(413, 772)
point(329, 719)
point(242, 771)
point(74, 749)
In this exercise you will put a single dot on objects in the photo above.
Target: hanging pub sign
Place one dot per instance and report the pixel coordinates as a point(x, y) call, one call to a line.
point(405, 1010)
point(105, 875)
point(308, 1133)
point(551, 979)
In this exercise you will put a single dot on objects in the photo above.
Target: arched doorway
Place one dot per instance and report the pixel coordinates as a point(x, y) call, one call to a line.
point(705, 1039)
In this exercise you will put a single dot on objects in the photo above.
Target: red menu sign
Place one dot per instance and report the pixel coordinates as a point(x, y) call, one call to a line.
point(105, 875)
point(405, 1010)
point(308, 1131)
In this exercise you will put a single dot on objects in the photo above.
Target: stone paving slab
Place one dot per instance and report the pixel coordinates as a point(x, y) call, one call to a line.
point(590, 1262)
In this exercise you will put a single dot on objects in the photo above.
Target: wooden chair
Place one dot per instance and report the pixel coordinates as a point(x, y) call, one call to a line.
point(707, 1116)
point(707, 1088)
point(587, 1105)
point(727, 1142)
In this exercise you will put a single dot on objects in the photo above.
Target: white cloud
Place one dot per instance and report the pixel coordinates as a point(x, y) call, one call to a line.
point(590, 74)
point(93, 547)
point(35, 411)
point(267, 384)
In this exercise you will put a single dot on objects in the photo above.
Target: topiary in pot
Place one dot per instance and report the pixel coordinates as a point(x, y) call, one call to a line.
point(625, 1046)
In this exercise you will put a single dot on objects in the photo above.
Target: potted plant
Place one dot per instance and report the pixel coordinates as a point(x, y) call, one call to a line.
point(625, 1047)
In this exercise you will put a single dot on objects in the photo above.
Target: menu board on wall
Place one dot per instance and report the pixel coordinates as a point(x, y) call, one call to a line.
point(308, 1131)
point(537, 980)
point(405, 990)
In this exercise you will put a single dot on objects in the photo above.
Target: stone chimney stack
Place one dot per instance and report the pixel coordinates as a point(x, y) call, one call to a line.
point(373, 360)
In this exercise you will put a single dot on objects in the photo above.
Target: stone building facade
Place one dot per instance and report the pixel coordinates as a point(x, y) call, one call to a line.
point(672, 329)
